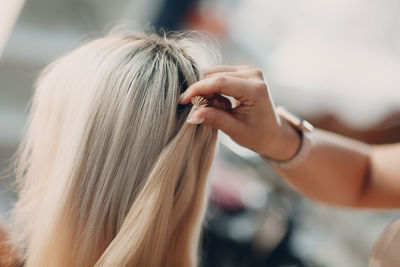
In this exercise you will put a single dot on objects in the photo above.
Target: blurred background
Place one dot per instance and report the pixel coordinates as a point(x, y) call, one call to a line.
point(336, 63)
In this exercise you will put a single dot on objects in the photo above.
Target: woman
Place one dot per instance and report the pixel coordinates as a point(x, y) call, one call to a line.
point(109, 172)
point(322, 165)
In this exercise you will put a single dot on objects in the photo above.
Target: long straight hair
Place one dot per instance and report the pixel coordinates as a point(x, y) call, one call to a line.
point(109, 172)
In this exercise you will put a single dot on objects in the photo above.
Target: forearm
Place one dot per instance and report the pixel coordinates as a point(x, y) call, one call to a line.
point(336, 170)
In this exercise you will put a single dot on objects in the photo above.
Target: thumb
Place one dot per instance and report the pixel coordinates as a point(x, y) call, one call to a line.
point(216, 118)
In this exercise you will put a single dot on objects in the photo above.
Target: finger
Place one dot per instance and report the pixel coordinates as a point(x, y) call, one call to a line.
point(230, 86)
point(222, 68)
point(217, 118)
point(237, 74)
point(251, 73)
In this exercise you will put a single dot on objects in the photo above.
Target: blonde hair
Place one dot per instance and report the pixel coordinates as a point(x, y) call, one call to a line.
point(110, 173)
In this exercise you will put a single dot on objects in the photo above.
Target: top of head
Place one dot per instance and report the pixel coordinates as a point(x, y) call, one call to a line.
point(113, 103)
point(145, 73)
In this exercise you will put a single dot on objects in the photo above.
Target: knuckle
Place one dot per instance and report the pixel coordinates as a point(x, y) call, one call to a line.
point(260, 86)
point(257, 72)
point(219, 80)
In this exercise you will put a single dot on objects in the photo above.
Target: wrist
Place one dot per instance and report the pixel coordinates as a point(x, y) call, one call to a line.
point(301, 145)
point(285, 145)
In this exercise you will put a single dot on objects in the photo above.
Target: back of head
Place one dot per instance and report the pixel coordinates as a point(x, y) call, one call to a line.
point(110, 174)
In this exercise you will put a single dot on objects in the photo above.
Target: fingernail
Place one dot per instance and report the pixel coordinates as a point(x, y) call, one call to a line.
point(195, 120)
point(181, 97)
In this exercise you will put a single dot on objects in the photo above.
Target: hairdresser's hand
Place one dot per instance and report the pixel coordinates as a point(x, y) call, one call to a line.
point(254, 123)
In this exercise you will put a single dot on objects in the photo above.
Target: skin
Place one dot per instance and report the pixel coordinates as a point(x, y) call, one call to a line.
point(338, 170)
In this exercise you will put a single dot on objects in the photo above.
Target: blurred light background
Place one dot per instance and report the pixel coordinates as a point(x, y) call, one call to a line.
point(334, 62)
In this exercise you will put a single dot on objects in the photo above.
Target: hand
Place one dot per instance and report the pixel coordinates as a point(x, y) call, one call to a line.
point(254, 123)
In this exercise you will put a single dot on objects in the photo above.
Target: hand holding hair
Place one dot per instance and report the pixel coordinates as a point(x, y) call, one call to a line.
point(254, 123)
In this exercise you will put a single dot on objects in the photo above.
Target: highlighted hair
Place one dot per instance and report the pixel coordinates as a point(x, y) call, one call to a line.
point(109, 172)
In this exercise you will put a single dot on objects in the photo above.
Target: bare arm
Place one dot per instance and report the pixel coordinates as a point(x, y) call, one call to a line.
point(338, 170)
point(342, 171)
